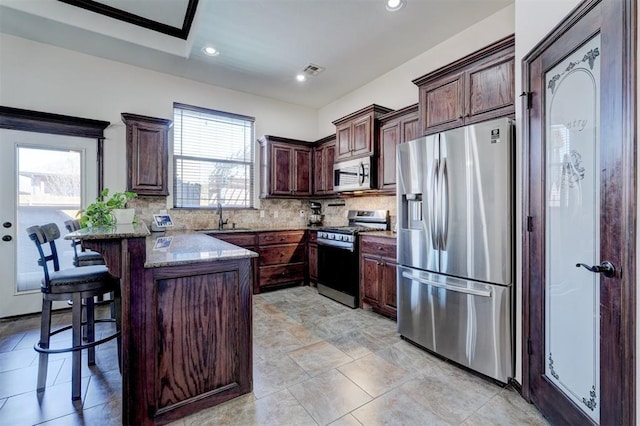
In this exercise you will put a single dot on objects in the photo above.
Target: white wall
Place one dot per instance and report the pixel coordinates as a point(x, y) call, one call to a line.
point(45, 78)
point(395, 89)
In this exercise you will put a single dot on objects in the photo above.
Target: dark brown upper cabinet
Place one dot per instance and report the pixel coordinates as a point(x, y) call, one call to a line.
point(357, 133)
point(475, 88)
point(323, 159)
point(147, 154)
point(395, 128)
point(286, 166)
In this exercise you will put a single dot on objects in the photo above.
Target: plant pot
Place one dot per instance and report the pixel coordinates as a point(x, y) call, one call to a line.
point(124, 216)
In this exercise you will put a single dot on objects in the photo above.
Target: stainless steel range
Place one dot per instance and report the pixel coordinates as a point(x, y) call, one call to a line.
point(338, 264)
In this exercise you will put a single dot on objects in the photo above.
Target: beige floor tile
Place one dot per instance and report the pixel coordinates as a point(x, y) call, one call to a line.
point(375, 375)
point(415, 360)
point(319, 357)
point(329, 396)
point(506, 408)
point(103, 388)
point(356, 343)
point(30, 408)
point(21, 380)
point(396, 408)
point(453, 397)
point(274, 374)
point(19, 358)
point(108, 414)
point(278, 409)
point(347, 420)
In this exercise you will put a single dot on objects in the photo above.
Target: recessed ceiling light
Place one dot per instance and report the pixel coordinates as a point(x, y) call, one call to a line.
point(210, 51)
point(395, 5)
point(301, 77)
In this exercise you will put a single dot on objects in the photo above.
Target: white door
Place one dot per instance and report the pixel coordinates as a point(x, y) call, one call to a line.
point(45, 178)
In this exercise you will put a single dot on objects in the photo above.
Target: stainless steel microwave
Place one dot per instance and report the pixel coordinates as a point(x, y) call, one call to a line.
point(353, 175)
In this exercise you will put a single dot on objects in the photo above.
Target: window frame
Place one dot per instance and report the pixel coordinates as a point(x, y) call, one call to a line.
point(252, 201)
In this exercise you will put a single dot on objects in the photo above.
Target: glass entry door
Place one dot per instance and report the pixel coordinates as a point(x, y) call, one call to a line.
point(46, 178)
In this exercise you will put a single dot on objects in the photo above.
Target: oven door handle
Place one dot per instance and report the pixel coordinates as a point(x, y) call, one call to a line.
point(336, 245)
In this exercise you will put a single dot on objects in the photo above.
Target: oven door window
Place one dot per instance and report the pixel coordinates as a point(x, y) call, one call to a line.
point(338, 269)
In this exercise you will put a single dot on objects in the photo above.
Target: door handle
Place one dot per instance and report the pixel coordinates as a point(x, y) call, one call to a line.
point(606, 268)
point(6, 238)
point(7, 224)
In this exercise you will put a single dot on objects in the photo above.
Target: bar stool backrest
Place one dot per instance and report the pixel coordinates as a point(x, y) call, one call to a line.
point(41, 236)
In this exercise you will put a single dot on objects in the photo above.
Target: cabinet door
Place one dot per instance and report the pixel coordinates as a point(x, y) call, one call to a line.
point(329, 159)
point(301, 171)
point(389, 139)
point(369, 280)
point(147, 155)
point(281, 170)
point(409, 129)
point(362, 141)
point(313, 262)
point(491, 90)
point(388, 290)
point(343, 141)
point(318, 170)
point(443, 102)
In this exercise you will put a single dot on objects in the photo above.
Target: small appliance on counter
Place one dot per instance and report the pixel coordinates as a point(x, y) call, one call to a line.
point(316, 216)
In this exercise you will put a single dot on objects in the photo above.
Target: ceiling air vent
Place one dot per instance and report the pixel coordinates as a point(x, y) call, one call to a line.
point(313, 69)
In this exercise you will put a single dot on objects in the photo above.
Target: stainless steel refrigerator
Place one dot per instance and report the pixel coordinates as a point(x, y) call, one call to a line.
point(455, 245)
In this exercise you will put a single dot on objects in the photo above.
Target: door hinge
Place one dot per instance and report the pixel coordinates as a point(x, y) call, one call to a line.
point(529, 100)
point(529, 351)
point(529, 224)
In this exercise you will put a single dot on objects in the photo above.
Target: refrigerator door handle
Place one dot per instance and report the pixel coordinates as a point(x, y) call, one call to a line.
point(444, 196)
point(431, 205)
point(471, 291)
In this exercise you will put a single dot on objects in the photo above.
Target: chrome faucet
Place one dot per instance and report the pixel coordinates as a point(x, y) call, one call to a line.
point(221, 222)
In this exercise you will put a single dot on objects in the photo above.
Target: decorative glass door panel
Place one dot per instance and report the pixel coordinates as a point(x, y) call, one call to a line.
point(572, 228)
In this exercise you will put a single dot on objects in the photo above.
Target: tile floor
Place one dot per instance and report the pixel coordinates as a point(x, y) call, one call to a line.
point(316, 362)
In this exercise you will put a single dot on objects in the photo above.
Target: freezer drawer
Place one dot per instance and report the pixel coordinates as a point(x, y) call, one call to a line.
point(465, 321)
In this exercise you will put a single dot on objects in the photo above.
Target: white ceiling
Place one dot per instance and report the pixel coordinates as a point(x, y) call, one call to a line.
point(263, 43)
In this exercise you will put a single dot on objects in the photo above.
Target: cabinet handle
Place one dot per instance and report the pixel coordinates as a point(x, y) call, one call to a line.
point(380, 248)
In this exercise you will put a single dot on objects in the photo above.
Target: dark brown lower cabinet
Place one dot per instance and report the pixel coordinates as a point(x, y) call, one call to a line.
point(378, 269)
point(282, 258)
point(186, 332)
point(312, 257)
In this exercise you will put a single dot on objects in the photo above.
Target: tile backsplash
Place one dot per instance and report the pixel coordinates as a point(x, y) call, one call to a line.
point(273, 213)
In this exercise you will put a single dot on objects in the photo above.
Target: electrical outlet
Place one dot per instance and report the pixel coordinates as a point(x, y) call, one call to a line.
point(275, 214)
point(301, 213)
point(262, 214)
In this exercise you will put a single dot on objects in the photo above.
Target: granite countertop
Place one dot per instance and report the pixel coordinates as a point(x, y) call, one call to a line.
point(241, 230)
point(180, 248)
point(386, 234)
point(110, 232)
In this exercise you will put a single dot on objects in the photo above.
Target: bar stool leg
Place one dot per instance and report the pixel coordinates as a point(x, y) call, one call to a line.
point(76, 357)
point(45, 330)
point(91, 334)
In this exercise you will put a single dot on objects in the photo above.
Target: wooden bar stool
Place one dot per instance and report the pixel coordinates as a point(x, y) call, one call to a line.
point(82, 256)
point(79, 284)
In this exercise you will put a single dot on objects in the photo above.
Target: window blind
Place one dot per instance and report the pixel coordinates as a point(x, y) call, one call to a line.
point(213, 158)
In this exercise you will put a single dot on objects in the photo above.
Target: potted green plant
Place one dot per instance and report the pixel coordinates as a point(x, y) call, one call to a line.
point(108, 210)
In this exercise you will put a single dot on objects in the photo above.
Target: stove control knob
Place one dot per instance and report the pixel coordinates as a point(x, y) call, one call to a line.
point(346, 238)
point(331, 236)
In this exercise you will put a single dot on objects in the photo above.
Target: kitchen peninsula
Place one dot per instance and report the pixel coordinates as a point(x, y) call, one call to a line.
point(186, 319)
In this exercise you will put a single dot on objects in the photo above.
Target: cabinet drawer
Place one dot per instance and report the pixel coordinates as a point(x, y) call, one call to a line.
point(242, 240)
point(280, 237)
point(279, 254)
point(281, 273)
point(381, 246)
